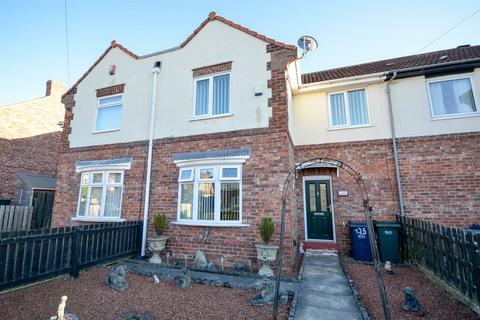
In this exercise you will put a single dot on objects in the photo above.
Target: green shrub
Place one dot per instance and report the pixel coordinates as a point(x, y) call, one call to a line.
point(159, 223)
point(267, 228)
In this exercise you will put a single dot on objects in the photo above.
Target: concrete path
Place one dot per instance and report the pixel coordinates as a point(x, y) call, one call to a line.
point(324, 292)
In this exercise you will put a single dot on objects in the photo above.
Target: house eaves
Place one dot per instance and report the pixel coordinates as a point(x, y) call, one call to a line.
point(211, 17)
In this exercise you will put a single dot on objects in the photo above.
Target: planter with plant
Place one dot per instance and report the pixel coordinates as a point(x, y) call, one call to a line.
point(157, 243)
point(266, 253)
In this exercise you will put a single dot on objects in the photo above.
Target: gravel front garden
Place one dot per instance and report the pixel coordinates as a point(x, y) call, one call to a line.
point(436, 302)
point(90, 298)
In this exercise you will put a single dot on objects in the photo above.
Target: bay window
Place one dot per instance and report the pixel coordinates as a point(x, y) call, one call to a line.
point(210, 194)
point(100, 194)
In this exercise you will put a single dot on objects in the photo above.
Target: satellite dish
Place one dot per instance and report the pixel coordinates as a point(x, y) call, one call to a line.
point(307, 43)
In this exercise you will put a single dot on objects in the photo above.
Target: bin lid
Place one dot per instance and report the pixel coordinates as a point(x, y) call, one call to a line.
point(386, 224)
point(361, 223)
point(472, 230)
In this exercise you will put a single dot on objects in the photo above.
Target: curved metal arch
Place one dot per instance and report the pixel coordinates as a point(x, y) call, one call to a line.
point(357, 177)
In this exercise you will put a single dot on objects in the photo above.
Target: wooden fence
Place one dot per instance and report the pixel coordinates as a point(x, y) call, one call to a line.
point(15, 218)
point(452, 254)
point(29, 256)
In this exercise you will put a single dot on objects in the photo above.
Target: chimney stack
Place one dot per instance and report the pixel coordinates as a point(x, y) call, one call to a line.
point(55, 88)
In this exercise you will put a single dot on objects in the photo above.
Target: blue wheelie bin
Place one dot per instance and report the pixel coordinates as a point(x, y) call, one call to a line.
point(359, 239)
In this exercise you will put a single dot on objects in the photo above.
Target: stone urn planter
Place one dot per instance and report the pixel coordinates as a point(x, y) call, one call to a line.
point(157, 244)
point(266, 253)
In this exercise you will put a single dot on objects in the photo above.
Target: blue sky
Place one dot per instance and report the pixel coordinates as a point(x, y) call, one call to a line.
point(33, 50)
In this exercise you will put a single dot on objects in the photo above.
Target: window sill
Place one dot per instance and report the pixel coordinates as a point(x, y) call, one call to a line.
point(199, 118)
point(456, 116)
point(97, 219)
point(105, 131)
point(209, 224)
point(349, 127)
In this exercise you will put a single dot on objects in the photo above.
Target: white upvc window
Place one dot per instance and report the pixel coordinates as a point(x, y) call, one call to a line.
point(348, 109)
point(451, 97)
point(109, 113)
point(100, 195)
point(212, 95)
point(210, 194)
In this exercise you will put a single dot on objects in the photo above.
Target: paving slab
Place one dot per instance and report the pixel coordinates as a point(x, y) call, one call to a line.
point(324, 293)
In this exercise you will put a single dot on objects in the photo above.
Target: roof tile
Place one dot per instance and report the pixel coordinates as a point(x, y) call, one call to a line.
point(425, 59)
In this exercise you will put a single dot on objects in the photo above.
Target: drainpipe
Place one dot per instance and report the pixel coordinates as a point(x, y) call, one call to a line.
point(394, 141)
point(155, 71)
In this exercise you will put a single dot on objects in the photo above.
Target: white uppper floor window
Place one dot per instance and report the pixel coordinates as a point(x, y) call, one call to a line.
point(451, 96)
point(100, 194)
point(210, 194)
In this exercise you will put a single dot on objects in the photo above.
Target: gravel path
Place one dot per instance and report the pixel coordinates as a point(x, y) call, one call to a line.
point(89, 298)
point(436, 302)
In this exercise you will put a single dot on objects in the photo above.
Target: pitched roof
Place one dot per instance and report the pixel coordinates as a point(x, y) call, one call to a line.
point(113, 44)
point(37, 181)
point(211, 16)
point(458, 54)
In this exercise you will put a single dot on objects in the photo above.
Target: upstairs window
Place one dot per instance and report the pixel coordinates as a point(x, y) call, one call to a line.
point(212, 95)
point(348, 109)
point(451, 97)
point(109, 113)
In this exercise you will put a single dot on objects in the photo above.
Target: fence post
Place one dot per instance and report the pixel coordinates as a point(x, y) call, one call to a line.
point(75, 258)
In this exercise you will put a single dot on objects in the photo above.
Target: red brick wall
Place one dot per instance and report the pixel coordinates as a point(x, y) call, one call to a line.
point(36, 155)
point(227, 66)
point(263, 175)
point(441, 178)
point(373, 160)
point(68, 181)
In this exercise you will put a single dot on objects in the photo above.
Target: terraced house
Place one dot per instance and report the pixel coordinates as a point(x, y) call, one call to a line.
point(229, 114)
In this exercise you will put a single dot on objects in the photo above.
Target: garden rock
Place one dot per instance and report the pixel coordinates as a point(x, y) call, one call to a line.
point(239, 267)
point(184, 279)
point(267, 294)
point(411, 303)
point(116, 279)
point(200, 261)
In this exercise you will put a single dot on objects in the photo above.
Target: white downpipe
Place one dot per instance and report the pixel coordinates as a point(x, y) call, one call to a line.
point(394, 142)
point(155, 72)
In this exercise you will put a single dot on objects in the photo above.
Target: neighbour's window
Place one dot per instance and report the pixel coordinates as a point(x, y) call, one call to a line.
point(451, 97)
point(100, 194)
point(109, 113)
point(348, 109)
point(210, 194)
point(212, 95)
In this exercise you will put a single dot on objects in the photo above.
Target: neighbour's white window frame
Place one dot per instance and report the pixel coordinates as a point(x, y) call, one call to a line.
point(217, 180)
point(453, 115)
point(210, 77)
point(104, 184)
point(347, 110)
point(108, 105)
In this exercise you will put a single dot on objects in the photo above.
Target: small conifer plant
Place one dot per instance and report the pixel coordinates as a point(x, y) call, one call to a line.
point(159, 222)
point(267, 228)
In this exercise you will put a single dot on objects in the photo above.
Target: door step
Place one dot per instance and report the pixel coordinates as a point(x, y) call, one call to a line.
point(321, 245)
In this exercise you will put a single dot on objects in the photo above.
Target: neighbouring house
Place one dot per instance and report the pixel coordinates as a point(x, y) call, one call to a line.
point(30, 135)
point(233, 115)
